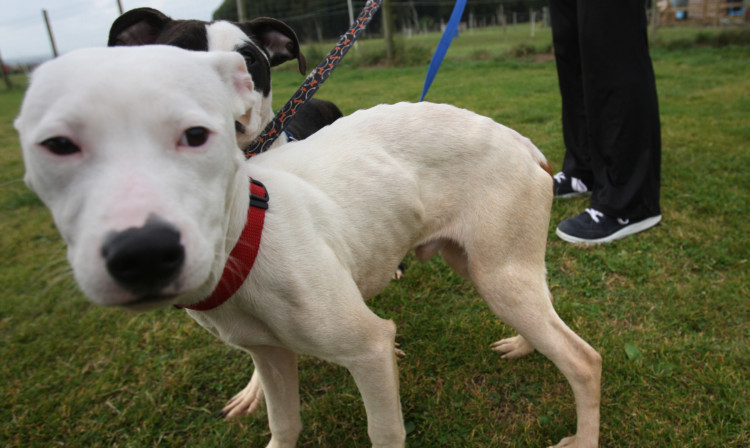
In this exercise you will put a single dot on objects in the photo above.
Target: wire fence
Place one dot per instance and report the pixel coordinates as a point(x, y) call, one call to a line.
point(75, 24)
point(24, 37)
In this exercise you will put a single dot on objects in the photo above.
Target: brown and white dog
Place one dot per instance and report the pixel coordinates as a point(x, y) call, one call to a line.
point(262, 42)
point(153, 211)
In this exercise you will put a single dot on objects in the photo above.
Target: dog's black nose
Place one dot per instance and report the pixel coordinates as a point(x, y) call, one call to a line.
point(145, 259)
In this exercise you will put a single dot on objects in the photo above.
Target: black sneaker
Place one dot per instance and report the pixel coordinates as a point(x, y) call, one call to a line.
point(569, 187)
point(594, 227)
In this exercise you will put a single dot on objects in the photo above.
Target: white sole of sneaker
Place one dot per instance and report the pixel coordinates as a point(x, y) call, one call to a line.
point(636, 227)
point(575, 194)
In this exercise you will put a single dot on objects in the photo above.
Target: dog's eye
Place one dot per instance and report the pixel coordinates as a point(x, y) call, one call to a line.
point(249, 59)
point(194, 137)
point(248, 55)
point(61, 146)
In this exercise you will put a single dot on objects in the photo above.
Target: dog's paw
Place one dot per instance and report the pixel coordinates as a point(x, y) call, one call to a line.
point(399, 274)
point(246, 402)
point(568, 442)
point(399, 353)
point(515, 347)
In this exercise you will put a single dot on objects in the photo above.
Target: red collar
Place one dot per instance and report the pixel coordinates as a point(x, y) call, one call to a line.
point(242, 257)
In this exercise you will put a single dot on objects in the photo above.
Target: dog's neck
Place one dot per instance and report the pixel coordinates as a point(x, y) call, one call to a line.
point(240, 260)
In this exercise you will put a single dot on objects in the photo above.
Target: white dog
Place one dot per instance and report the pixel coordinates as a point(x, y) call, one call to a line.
point(134, 152)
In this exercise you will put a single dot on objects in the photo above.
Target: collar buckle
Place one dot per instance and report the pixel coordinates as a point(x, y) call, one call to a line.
point(256, 200)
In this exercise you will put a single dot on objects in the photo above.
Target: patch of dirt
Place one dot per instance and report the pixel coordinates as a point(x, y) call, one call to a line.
point(544, 57)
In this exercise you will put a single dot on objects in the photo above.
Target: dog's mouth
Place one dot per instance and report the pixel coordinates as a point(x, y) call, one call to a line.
point(239, 127)
point(149, 302)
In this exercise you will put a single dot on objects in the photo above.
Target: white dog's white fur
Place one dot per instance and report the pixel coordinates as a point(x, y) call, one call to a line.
point(345, 206)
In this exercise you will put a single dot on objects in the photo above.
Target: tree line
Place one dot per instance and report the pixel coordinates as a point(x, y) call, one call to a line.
point(328, 19)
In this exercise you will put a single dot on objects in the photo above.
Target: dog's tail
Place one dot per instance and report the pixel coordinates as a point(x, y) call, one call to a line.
point(544, 163)
point(535, 152)
point(546, 167)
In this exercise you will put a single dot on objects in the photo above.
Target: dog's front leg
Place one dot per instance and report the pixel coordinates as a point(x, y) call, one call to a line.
point(277, 369)
point(376, 374)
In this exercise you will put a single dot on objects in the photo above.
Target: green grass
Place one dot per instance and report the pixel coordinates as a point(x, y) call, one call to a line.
point(669, 309)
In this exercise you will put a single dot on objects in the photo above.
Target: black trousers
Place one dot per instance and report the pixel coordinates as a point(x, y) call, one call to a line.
point(610, 110)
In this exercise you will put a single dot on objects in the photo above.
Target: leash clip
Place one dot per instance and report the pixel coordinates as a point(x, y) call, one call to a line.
point(259, 201)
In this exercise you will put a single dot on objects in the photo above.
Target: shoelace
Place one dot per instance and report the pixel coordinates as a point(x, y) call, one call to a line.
point(578, 185)
point(596, 216)
point(575, 183)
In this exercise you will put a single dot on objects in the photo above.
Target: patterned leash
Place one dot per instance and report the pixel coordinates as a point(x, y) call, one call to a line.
point(312, 82)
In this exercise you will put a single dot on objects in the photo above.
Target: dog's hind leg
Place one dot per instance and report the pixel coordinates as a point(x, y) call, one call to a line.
point(247, 401)
point(513, 347)
point(277, 370)
point(518, 295)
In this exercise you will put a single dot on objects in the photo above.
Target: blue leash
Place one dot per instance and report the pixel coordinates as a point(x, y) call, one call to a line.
point(451, 30)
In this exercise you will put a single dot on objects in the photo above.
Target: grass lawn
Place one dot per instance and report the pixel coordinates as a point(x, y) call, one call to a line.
point(669, 310)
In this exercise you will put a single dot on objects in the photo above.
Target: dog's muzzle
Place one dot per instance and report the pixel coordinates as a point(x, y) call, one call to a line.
point(143, 260)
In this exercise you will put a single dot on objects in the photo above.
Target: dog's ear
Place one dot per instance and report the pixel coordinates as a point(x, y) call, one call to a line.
point(139, 26)
point(279, 41)
point(231, 67)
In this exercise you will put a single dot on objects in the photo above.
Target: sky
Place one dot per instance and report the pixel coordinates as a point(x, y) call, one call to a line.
point(76, 23)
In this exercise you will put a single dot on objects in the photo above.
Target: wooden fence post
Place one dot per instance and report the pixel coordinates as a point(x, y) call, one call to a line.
point(388, 26)
point(240, 11)
point(503, 19)
point(6, 78)
point(49, 31)
point(654, 18)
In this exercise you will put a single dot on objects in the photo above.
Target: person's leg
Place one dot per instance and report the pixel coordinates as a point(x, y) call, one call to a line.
point(621, 108)
point(564, 18)
point(623, 120)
